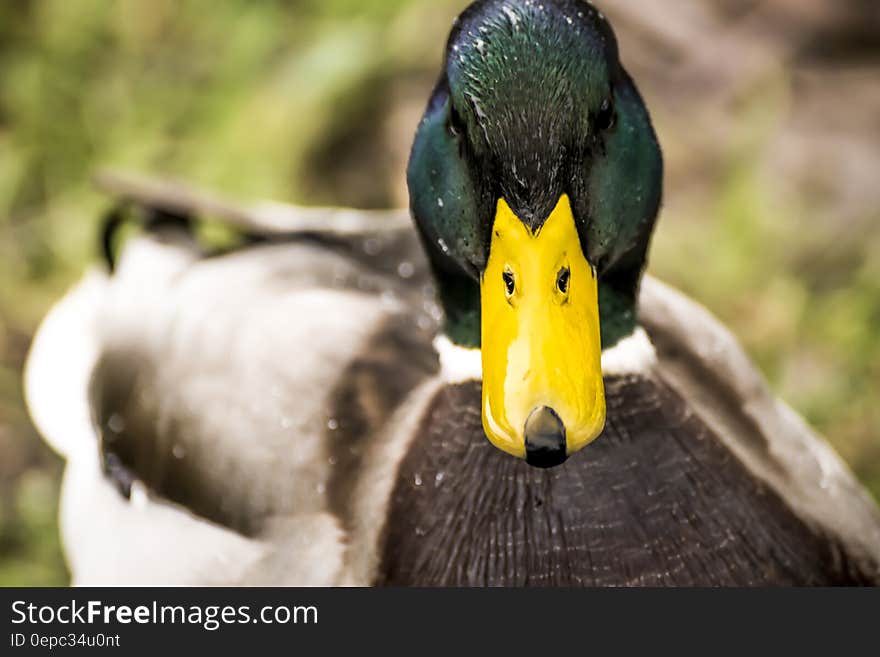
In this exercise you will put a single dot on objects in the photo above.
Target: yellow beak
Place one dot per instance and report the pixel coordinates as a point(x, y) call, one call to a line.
point(543, 394)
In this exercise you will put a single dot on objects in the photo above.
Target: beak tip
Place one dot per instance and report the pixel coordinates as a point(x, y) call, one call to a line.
point(545, 439)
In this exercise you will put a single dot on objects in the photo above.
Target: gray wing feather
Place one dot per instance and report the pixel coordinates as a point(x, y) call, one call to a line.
point(701, 359)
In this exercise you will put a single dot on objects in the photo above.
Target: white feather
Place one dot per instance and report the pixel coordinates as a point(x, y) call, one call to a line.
point(633, 355)
point(458, 364)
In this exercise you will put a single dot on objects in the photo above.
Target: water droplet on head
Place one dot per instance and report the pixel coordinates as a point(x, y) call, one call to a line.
point(417, 480)
point(179, 451)
point(512, 17)
point(332, 424)
point(406, 269)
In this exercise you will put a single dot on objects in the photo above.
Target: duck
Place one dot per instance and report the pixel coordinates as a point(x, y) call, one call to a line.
point(486, 390)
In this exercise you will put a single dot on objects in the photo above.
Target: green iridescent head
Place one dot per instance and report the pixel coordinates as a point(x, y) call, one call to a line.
point(535, 181)
point(533, 103)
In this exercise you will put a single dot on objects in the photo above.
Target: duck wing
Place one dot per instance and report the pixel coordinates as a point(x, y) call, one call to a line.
point(220, 406)
point(703, 362)
point(266, 219)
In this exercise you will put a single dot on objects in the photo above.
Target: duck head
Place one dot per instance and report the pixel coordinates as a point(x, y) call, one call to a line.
point(535, 181)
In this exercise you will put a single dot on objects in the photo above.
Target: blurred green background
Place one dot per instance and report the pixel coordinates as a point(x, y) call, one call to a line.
point(769, 114)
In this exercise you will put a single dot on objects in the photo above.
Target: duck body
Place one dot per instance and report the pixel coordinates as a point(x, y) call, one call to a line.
point(300, 410)
point(280, 414)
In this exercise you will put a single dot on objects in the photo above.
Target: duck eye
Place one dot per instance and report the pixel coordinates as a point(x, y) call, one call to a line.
point(607, 117)
point(563, 278)
point(509, 283)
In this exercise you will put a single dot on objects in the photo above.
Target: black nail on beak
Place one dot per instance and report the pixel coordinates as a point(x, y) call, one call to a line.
point(545, 439)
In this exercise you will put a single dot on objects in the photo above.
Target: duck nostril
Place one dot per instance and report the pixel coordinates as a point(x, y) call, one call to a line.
point(563, 278)
point(509, 283)
point(545, 439)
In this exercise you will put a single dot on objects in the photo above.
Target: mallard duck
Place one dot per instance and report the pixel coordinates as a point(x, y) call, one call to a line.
point(298, 410)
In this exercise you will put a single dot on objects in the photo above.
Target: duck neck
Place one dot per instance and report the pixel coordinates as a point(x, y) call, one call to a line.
point(459, 296)
point(618, 315)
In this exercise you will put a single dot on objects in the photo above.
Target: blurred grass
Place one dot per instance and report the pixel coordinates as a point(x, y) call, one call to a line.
point(315, 102)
